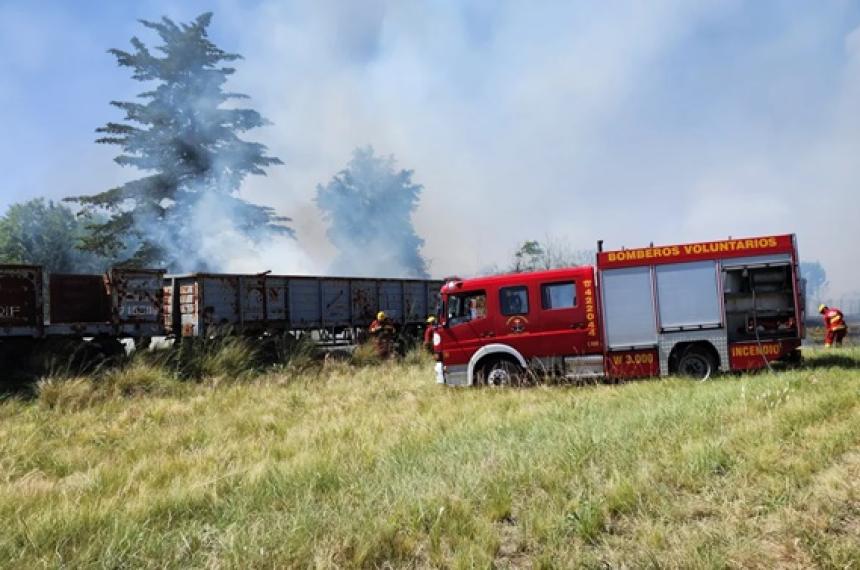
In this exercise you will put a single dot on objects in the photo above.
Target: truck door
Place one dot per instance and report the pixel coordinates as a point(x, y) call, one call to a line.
point(466, 325)
point(564, 326)
point(516, 323)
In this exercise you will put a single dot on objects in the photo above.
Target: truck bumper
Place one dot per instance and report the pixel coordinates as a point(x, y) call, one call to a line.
point(451, 375)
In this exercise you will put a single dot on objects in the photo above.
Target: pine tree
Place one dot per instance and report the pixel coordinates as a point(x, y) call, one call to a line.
point(369, 206)
point(180, 133)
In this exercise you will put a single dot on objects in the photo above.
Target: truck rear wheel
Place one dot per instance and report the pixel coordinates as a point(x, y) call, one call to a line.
point(501, 372)
point(696, 363)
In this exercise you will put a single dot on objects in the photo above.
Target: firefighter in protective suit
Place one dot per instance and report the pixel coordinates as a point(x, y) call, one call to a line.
point(428, 333)
point(834, 324)
point(384, 335)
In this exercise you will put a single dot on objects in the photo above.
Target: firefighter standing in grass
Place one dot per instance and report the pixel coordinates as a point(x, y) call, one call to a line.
point(834, 323)
point(384, 334)
point(428, 333)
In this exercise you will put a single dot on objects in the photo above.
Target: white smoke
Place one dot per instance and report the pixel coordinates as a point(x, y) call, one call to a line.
point(665, 121)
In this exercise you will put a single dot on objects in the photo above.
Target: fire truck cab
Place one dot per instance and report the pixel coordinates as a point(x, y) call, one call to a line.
point(494, 327)
point(691, 309)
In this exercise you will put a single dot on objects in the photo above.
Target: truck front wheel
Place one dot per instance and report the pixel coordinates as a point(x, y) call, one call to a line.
point(696, 363)
point(501, 372)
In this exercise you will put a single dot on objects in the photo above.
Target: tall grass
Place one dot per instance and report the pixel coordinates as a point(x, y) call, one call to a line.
point(230, 357)
point(379, 467)
point(163, 372)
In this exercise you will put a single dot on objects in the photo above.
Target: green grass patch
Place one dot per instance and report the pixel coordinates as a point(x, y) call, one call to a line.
point(329, 464)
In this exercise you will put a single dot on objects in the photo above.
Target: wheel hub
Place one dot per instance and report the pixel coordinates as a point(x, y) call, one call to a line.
point(695, 366)
point(499, 377)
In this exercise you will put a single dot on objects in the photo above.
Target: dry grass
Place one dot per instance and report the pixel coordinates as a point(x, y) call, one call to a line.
point(341, 466)
point(68, 394)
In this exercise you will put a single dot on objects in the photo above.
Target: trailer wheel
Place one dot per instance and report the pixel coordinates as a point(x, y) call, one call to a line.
point(500, 373)
point(16, 355)
point(142, 343)
point(696, 363)
point(107, 347)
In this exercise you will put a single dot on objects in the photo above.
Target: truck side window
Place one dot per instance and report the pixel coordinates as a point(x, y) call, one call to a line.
point(558, 295)
point(466, 307)
point(514, 300)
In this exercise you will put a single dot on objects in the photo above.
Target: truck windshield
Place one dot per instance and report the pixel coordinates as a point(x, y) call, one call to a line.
point(465, 307)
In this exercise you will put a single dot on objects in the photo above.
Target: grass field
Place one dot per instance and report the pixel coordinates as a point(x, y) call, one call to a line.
point(336, 465)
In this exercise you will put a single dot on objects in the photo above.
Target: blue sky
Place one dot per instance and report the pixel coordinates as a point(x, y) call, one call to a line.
point(633, 122)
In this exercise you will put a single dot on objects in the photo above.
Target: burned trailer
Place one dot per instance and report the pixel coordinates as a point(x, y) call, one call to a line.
point(123, 303)
point(136, 302)
point(22, 312)
point(58, 312)
point(334, 309)
point(202, 305)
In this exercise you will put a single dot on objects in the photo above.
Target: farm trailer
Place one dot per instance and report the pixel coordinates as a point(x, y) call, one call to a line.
point(335, 309)
point(39, 307)
point(140, 304)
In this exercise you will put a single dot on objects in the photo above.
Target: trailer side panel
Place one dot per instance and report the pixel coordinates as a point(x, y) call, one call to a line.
point(21, 301)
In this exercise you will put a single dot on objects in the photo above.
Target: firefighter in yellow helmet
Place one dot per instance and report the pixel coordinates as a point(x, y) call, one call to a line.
point(384, 334)
point(428, 333)
point(834, 325)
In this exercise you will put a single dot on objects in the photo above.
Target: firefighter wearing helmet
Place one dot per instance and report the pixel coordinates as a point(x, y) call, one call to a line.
point(834, 325)
point(384, 335)
point(428, 333)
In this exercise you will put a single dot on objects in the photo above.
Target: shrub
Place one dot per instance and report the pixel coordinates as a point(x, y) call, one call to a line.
point(231, 357)
point(67, 394)
point(228, 357)
point(138, 377)
point(419, 356)
point(365, 354)
point(294, 353)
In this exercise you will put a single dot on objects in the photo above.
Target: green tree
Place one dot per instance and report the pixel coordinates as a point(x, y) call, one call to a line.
point(369, 206)
point(551, 253)
point(816, 279)
point(527, 257)
point(43, 233)
point(181, 134)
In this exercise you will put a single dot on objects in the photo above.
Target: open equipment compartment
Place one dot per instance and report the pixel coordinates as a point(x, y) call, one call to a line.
point(759, 302)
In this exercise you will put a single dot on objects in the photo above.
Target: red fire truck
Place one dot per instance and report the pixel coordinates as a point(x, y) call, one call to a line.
point(688, 309)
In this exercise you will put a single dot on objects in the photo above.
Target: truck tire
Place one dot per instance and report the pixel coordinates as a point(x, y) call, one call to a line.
point(501, 373)
point(696, 363)
point(794, 359)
